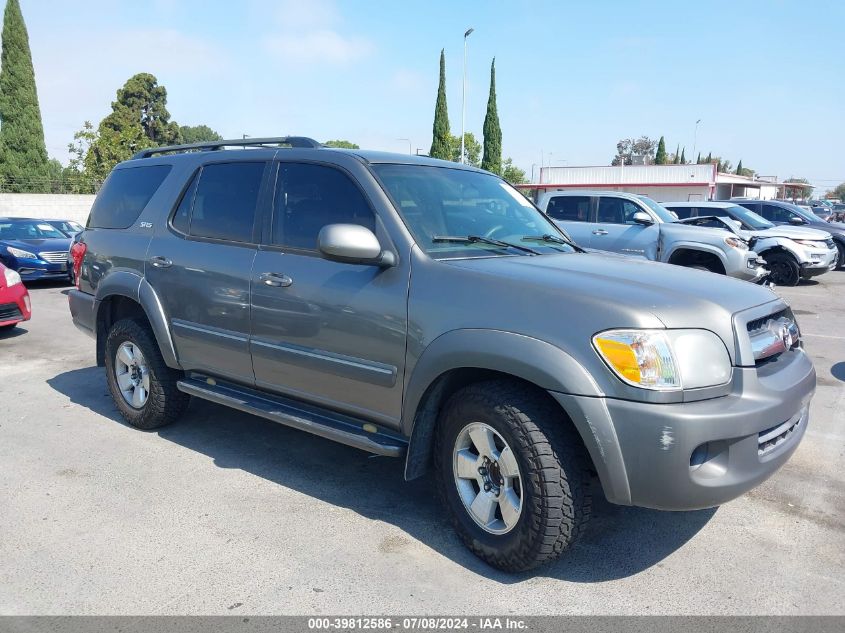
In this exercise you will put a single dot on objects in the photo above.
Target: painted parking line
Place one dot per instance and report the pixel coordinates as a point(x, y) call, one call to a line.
point(838, 338)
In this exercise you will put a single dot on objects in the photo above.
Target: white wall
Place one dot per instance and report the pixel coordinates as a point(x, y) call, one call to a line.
point(59, 206)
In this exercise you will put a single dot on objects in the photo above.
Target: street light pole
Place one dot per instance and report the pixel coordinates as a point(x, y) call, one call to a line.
point(464, 95)
point(695, 137)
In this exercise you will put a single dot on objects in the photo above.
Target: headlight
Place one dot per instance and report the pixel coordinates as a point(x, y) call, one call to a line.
point(12, 277)
point(665, 360)
point(735, 242)
point(21, 254)
point(811, 243)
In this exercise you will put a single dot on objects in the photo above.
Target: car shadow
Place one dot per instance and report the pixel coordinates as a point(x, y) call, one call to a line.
point(12, 332)
point(838, 371)
point(620, 541)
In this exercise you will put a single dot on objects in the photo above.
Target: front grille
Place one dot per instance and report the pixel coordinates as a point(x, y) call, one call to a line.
point(757, 324)
point(770, 439)
point(54, 257)
point(9, 311)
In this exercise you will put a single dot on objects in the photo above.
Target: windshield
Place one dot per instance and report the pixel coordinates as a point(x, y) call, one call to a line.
point(748, 217)
point(28, 231)
point(438, 203)
point(68, 226)
point(661, 212)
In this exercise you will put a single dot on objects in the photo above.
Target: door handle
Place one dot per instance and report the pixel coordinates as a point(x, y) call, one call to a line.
point(278, 280)
point(161, 262)
point(599, 232)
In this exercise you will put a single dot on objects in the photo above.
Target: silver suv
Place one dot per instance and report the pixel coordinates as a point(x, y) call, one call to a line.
point(425, 310)
point(636, 225)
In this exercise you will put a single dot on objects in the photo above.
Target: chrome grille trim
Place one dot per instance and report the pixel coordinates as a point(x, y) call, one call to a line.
point(54, 257)
point(772, 438)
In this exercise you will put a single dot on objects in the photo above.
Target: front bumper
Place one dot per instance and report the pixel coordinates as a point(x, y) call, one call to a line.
point(753, 270)
point(821, 262)
point(699, 454)
point(36, 269)
point(14, 305)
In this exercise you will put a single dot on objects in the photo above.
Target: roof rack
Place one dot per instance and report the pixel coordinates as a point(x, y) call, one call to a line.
point(293, 141)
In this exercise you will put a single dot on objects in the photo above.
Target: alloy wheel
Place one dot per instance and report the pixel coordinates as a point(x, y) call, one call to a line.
point(132, 375)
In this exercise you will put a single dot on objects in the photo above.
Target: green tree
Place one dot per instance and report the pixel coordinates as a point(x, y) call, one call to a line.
point(198, 134)
point(839, 191)
point(739, 168)
point(492, 160)
point(660, 157)
point(627, 148)
point(512, 173)
point(684, 156)
point(709, 158)
point(440, 145)
point(139, 119)
point(798, 188)
point(342, 144)
point(23, 154)
point(678, 154)
point(472, 149)
point(698, 160)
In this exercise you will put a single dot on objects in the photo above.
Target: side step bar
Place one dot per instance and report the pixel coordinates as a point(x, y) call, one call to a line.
point(333, 426)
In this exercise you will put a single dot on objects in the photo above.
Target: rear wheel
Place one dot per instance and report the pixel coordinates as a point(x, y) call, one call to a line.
point(142, 385)
point(784, 269)
point(512, 473)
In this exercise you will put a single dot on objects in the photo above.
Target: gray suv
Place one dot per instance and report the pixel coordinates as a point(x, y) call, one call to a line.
point(425, 310)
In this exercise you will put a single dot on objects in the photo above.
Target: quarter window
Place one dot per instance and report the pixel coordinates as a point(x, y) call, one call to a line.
point(124, 195)
point(308, 197)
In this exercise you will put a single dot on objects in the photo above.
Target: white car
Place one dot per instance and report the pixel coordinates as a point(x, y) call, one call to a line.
point(792, 253)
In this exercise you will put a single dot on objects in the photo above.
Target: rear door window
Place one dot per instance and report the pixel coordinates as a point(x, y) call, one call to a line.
point(124, 195)
point(225, 201)
point(569, 208)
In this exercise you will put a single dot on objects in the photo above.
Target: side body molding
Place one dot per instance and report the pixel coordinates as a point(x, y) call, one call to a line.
point(533, 360)
point(135, 287)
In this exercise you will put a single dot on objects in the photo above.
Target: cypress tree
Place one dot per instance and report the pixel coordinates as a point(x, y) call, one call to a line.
point(660, 157)
point(678, 154)
point(23, 154)
point(709, 160)
point(440, 147)
point(739, 168)
point(698, 160)
point(684, 156)
point(492, 159)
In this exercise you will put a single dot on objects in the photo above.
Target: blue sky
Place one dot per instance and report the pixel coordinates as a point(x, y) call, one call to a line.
point(765, 78)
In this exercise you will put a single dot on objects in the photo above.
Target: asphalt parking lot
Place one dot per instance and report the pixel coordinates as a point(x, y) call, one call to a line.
point(223, 513)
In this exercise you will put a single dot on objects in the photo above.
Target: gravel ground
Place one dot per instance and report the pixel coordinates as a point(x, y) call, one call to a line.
point(223, 513)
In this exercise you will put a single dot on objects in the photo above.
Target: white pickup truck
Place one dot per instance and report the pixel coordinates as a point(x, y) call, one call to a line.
point(636, 225)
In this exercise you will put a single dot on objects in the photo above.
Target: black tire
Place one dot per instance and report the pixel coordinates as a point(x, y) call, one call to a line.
point(785, 271)
point(554, 473)
point(840, 263)
point(165, 403)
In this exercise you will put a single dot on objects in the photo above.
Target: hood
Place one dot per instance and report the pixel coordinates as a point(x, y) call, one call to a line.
point(793, 233)
point(629, 287)
point(40, 245)
point(696, 233)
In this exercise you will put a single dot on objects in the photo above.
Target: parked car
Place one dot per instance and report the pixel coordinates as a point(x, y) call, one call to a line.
point(423, 309)
point(781, 213)
point(791, 253)
point(34, 248)
point(68, 227)
point(636, 225)
point(14, 299)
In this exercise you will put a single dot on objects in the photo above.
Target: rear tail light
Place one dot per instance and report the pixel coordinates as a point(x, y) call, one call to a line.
point(77, 252)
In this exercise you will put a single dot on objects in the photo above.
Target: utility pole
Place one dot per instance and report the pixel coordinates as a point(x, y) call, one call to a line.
point(464, 95)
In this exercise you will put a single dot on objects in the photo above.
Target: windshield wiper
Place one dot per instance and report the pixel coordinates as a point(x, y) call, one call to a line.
point(476, 239)
point(555, 239)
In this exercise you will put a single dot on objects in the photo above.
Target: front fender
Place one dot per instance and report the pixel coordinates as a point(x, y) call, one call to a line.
point(530, 359)
point(674, 247)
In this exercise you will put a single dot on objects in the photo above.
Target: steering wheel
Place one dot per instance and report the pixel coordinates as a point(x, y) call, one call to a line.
point(491, 232)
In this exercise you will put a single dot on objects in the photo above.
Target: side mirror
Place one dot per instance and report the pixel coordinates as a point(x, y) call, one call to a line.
point(796, 220)
point(352, 244)
point(641, 217)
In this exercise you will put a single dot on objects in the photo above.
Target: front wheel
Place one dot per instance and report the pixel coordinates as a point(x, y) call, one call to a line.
point(513, 474)
point(784, 269)
point(840, 260)
point(142, 386)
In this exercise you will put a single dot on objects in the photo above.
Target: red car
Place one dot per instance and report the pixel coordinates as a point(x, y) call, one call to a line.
point(14, 299)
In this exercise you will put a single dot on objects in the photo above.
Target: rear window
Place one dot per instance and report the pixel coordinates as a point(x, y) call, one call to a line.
point(569, 208)
point(124, 195)
point(682, 212)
